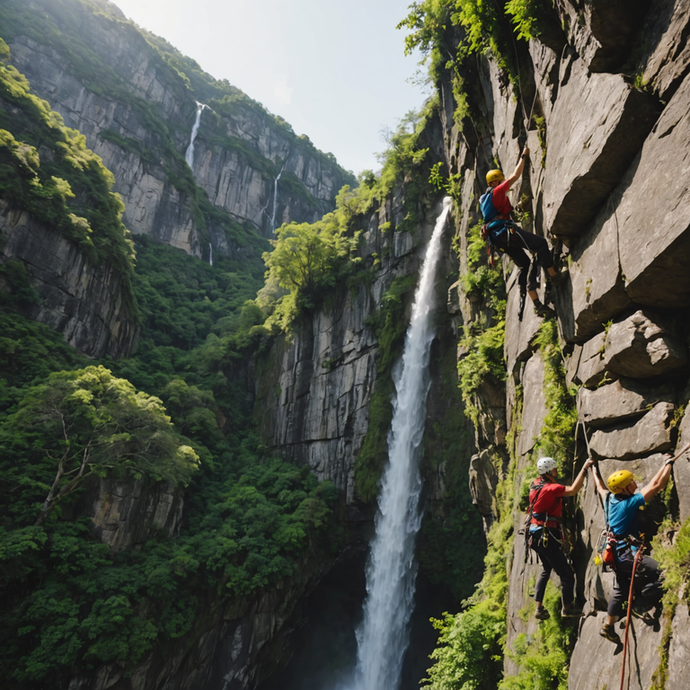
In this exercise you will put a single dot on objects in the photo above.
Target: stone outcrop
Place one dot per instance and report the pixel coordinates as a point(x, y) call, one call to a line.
point(128, 514)
point(77, 298)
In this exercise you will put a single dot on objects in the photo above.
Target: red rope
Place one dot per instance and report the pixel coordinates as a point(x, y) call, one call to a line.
point(627, 618)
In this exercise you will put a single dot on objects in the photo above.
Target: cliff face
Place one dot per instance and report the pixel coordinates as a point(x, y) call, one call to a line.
point(128, 93)
point(83, 301)
point(611, 199)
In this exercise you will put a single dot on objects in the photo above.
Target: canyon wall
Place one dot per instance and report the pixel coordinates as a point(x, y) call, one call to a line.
point(134, 98)
point(606, 188)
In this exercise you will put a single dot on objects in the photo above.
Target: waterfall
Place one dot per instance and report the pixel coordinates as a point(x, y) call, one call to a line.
point(391, 571)
point(275, 197)
point(210, 254)
point(189, 154)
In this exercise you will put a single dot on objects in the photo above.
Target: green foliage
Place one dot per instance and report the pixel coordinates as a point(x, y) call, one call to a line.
point(674, 561)
point(483, 343)
point(389, 324)
point(69, 189)
point(557, 435)
point(470, 651)
point(309, 260)
point(83, 423)
point(250, 521)
point(543, 657)
point(525, 14)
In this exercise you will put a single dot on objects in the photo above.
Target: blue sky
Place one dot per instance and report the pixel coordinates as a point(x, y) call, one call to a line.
point(336, 71)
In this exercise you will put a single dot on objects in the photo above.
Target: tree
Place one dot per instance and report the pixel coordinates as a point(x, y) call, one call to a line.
point(87, 422)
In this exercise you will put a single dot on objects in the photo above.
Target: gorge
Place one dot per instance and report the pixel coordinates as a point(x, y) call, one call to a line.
point(200, 357)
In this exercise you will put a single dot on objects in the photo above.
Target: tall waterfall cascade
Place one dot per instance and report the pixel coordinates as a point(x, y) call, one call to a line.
point(210, 254)
point(189, 154)
point(383, 636)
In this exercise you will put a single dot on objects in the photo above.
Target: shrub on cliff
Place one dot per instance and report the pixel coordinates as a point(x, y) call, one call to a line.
point(83, 423)
point(308, 261)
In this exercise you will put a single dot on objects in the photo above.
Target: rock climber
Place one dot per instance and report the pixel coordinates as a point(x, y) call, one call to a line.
point(507, 237)
point(544, 533)
point(622, 506)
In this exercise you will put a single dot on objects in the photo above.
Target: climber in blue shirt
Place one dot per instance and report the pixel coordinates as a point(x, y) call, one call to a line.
point(622, 511)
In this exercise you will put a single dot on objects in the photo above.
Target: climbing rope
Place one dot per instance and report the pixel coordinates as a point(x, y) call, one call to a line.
point(629, 612)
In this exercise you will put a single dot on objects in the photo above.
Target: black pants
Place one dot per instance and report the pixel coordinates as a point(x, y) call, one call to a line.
point(553, 559)
point(647, 590)
point(516, 250)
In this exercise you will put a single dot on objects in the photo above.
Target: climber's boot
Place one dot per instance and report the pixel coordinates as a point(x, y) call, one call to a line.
point(610, 634)
point(542, 614)
point(571, 611)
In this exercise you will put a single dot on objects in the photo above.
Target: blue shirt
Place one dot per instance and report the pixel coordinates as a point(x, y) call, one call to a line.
point(622, 513)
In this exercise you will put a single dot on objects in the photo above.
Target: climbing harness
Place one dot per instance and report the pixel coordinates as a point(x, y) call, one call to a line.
point(544, 531)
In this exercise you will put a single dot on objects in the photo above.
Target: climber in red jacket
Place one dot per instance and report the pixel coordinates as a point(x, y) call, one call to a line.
point(512, 240)
point(544, 533)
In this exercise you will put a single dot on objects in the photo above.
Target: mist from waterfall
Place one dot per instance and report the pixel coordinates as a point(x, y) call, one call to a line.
point(383, 636)
point(189, 154)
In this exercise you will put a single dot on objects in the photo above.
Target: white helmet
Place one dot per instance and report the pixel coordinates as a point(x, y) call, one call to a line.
point(545, 465)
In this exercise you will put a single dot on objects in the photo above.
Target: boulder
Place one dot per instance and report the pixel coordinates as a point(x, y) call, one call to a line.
point(640, 347)
point(667, 57)
point(601, 30)
point(596, 128)
point(653, 216)
point(651, 434)
point(127, 514)
point(596, 282)
point(590, 366)
point(620, 400)
point(483, 480)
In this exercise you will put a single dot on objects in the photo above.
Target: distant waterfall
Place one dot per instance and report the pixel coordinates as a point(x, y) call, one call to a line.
point(189, 154)
point(275, 197)
point(391, 571)
point(210, 254)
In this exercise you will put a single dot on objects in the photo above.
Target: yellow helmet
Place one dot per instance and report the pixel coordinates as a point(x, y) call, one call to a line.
point(619, 480)
point(494, 175)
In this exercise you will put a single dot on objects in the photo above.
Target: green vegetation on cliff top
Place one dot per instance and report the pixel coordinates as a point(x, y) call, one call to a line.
point(66, 186)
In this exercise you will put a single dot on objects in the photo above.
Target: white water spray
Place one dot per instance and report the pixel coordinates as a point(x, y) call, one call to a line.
point(189, 154)
point(210, 254)
point(391, 571)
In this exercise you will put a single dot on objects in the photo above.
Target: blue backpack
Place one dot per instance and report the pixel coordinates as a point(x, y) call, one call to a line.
point(496, 231)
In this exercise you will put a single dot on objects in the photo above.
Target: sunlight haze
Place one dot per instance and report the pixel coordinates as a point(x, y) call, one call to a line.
point(335, 71)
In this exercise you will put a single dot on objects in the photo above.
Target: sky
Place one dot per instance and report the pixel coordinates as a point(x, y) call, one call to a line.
point(335, 70)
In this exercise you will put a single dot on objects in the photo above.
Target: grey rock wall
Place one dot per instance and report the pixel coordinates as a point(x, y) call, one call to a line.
point(81, 300)
point(316, 412)
point(237, 156)
point(610, 197)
